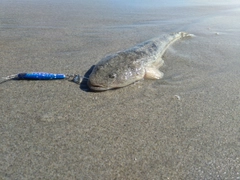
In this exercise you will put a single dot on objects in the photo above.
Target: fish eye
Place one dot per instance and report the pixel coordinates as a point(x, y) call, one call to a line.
point(112, 75)
point(100, 67)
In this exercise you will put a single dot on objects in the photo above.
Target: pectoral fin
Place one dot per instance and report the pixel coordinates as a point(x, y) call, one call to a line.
point(153, 73)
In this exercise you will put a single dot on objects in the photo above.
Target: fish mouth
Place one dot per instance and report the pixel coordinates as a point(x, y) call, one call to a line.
point(95, 87)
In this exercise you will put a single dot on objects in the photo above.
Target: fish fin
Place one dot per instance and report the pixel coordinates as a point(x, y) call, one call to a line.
point(153, 73)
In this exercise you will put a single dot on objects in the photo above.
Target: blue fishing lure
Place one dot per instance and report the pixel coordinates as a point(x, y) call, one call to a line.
point(45, 76)
point(40, 76)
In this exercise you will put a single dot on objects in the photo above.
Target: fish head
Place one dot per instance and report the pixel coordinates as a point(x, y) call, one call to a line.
point(111, 75)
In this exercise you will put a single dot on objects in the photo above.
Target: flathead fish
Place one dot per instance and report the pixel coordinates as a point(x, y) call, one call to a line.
point(128, 66)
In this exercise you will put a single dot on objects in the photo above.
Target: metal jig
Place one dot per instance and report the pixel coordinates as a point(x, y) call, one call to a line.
point(76, 78)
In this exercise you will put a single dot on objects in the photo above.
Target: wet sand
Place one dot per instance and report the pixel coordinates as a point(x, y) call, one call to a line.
point(184, 126)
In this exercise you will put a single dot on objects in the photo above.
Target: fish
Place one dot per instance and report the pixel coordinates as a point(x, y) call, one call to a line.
point(128, 66)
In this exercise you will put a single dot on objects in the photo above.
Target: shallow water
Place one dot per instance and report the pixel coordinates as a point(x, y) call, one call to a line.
point(185, 126)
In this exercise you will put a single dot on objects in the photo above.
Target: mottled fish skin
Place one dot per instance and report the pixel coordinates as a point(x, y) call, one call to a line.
point(125, 67)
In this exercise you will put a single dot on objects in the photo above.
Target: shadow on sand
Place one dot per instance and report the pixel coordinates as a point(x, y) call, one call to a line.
point(83, 85)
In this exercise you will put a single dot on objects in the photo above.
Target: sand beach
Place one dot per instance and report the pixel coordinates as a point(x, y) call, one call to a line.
point(184, 126)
